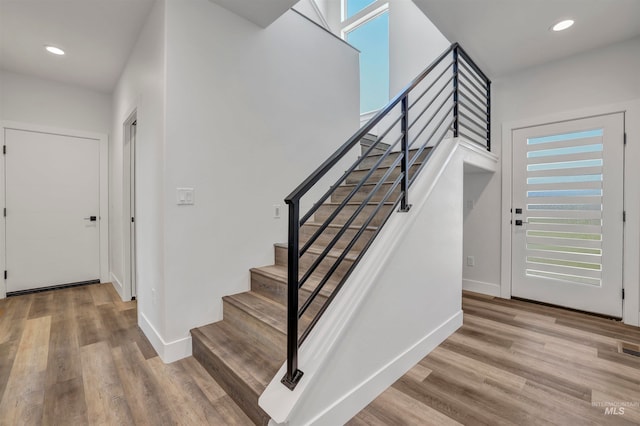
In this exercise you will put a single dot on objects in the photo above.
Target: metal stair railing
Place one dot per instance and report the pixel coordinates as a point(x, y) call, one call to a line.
point(451, 97)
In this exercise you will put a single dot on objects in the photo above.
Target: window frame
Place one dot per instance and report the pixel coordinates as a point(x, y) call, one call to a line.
point(367, 14)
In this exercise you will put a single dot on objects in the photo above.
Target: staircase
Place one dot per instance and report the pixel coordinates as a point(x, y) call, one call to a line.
point(244, 351)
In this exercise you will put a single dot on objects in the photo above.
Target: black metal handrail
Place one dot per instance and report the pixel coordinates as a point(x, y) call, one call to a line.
point(463, 110)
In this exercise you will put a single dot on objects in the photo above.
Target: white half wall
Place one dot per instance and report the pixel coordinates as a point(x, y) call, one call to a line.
point(141, 88)
point(250, 113)
point(401, 301)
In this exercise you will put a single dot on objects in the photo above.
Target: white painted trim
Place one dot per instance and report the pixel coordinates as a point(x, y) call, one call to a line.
point(490, 289)
point(127, 293)
point(104, 187)
point(316, 8)
point(3, 240)
point(378, 382)
point(367, 14)
point(117, 285)
point(631, 260)
point(167, 351)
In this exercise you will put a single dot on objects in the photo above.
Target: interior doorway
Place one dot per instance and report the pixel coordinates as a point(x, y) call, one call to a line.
point(52, 210)
point(129, 205)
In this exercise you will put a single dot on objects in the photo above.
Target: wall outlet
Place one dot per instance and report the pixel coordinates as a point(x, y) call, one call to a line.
point(277, 211)
point(471, 261)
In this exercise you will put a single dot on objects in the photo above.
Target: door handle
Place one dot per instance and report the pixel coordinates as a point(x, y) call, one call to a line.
point(91, 218)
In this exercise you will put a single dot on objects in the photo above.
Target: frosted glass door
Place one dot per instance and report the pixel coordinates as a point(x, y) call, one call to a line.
point(568, 214)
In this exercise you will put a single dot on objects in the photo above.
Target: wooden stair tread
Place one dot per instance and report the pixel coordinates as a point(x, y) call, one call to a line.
point(318, 249)
point(411, 151)
point(249, 363)
point(417, 163)
point(265, 310)
point(357, 203)
point(312, 223)
point(279, 273)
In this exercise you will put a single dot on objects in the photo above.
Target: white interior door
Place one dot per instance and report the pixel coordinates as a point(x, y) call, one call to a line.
point(53, 210)
point(567, 225)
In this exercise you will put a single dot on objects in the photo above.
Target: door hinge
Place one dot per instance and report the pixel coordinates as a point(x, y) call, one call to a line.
point(133, 220)
point(625, 139)
point(5, 212)
point(5, 275)
point(624, 216)
point(623, 294)
point(4, 149)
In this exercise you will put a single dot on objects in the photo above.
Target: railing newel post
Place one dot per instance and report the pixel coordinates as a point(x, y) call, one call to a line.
point(404, 165)
point(488, 115)
point(293, 375)
point(456, 118)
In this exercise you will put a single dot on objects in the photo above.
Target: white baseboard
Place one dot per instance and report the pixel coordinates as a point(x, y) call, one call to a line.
point(368, 390)
point(490, 289)
point(117, 285)
point(167, 351)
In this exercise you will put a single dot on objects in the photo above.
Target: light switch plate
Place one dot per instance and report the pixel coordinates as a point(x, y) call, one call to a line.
point(185, 196)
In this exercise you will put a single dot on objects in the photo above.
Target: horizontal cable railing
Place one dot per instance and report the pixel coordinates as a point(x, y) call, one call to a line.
point(450, 98)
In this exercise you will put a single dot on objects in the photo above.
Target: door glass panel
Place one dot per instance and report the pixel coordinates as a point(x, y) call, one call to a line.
point(567, 245)
point(372, 40)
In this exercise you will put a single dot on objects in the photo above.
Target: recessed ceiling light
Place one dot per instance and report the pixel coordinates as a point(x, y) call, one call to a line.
point(54, 50)
point(562, 25)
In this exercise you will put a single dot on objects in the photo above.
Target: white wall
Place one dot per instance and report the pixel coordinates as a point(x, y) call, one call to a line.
point(250, 112)
point(596, 78)
point(48, 103)
point(141, 87)
point(414, 42)
point(406, 292)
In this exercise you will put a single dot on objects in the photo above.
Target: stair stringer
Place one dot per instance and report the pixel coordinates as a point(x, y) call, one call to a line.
point(401, 301)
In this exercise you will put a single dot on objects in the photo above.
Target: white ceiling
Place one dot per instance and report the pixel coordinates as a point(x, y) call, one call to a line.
point(97, 35)
point(504, 36)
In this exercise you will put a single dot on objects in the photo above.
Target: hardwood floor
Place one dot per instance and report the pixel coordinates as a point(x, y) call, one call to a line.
point(518, 363)
point(75, 356)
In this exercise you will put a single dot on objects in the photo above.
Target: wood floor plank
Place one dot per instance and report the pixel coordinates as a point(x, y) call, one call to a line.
point(515, 362)
point(64, 403)
point(147, 400)
point(105, 398)
point(77, 356)
point(190, 403)
point(24, 393)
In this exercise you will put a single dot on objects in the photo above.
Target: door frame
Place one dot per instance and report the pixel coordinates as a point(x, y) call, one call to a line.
point(103, 195)
point(128, 182)
point(631, 198)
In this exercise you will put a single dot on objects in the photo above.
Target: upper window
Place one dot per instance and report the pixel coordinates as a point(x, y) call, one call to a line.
point(366, 27)
point(352, 7)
